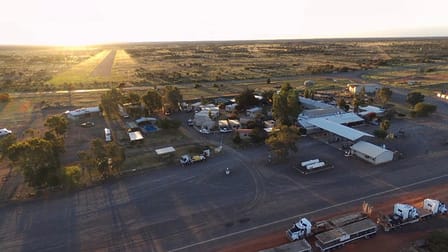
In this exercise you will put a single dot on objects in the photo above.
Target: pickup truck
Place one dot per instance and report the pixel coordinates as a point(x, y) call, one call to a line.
point(188, 160)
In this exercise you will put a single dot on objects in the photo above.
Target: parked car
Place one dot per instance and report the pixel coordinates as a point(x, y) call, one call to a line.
point(5, 132)
point(225, 130)
point(87, 124)
point(204, 131)
point(190, 122)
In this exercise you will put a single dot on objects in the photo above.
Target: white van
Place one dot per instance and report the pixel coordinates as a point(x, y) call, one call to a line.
point(107, 135)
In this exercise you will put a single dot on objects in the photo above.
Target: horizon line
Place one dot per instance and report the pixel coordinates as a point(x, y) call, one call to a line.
point(229, 40)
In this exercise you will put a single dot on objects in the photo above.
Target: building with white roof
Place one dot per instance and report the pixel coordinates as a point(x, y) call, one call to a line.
point(370, 109)
point(372, 153)
point(82, 112)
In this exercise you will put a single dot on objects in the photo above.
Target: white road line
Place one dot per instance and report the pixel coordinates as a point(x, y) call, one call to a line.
point(310, 212)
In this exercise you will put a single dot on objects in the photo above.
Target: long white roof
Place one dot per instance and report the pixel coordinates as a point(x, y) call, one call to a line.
point(369, 149)
point(165, 150)
point(338, 129)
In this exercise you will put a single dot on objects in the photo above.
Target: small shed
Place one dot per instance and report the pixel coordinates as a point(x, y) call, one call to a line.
point(135, 136)
point(372, 153)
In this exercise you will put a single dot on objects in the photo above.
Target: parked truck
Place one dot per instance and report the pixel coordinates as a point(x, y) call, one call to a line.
point(404, 214)
point(435, 206)
point(305, 228)
point(188, 160)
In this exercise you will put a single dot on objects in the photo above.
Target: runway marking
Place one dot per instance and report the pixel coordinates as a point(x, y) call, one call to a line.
point(310, 212)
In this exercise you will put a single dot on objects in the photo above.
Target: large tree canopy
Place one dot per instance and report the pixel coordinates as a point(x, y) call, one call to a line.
point(152, 100)
point(414, 97)
point(384, 94)
point(57, 123)
point(246, 99)
point(171, 98)
point(36, 158)
point(103, 156)
point(110, 101)
point(283, 140)
point(285, 106)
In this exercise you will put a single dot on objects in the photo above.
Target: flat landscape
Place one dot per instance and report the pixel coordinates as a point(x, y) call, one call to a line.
point(422, 61)
point(159, 205)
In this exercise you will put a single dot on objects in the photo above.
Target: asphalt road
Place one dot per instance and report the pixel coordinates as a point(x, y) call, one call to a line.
point(198, 208)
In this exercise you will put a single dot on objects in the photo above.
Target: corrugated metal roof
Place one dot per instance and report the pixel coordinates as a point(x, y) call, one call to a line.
point(369, 149)
point(338, 129)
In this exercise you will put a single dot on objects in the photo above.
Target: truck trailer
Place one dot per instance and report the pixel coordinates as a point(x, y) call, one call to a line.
point(297, 246)
point(405, 214)
point(305, 228)
point(338, 237)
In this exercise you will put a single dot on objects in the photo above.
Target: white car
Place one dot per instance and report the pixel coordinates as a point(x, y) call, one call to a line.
point(225, 130)
point(204, 131)
point(5, 131)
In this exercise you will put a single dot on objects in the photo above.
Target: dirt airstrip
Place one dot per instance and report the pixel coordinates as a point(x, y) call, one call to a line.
point(105, 67)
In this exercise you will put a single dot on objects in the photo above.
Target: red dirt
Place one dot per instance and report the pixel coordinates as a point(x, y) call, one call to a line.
point(394, 241)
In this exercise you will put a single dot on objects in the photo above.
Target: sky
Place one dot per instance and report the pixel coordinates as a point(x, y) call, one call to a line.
point(83, 22)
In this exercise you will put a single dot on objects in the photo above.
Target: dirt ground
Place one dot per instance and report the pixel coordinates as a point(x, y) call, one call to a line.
point(398, 240)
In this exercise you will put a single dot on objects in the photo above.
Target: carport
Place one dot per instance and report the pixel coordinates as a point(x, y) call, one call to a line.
point(372, 153)
point(338, 129)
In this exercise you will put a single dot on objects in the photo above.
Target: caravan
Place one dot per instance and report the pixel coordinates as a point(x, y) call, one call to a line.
point(107, 135)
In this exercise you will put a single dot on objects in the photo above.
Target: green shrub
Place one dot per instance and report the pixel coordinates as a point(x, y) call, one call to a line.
point(424, 109)
point(168, 124)
point(380, 133)
point(72, 175)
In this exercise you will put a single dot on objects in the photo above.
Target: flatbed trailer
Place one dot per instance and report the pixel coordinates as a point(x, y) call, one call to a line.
point(338, 237)
point(306, 171)
point(297, 246)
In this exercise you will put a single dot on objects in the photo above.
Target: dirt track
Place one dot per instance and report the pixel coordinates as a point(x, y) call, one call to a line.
point(105, 67)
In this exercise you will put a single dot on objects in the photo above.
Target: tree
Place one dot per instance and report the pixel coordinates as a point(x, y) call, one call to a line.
point(414, 97)
point(267, 95)
point(424, 109)
point(285, 105)
point(37, 161)
point(152, 100)
point(72, 176)
point(172, 98)
point(385, 124)
point(341, 104)
point(383, 95)
point(110, 101)
point(380, 133)
point(308, 93)
point(106, 157)
point(134, 98)
point(57, 123)
point(5, 143)
point(356, 103)
point(56, 141)
point(246, 99)
point(283, 141)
